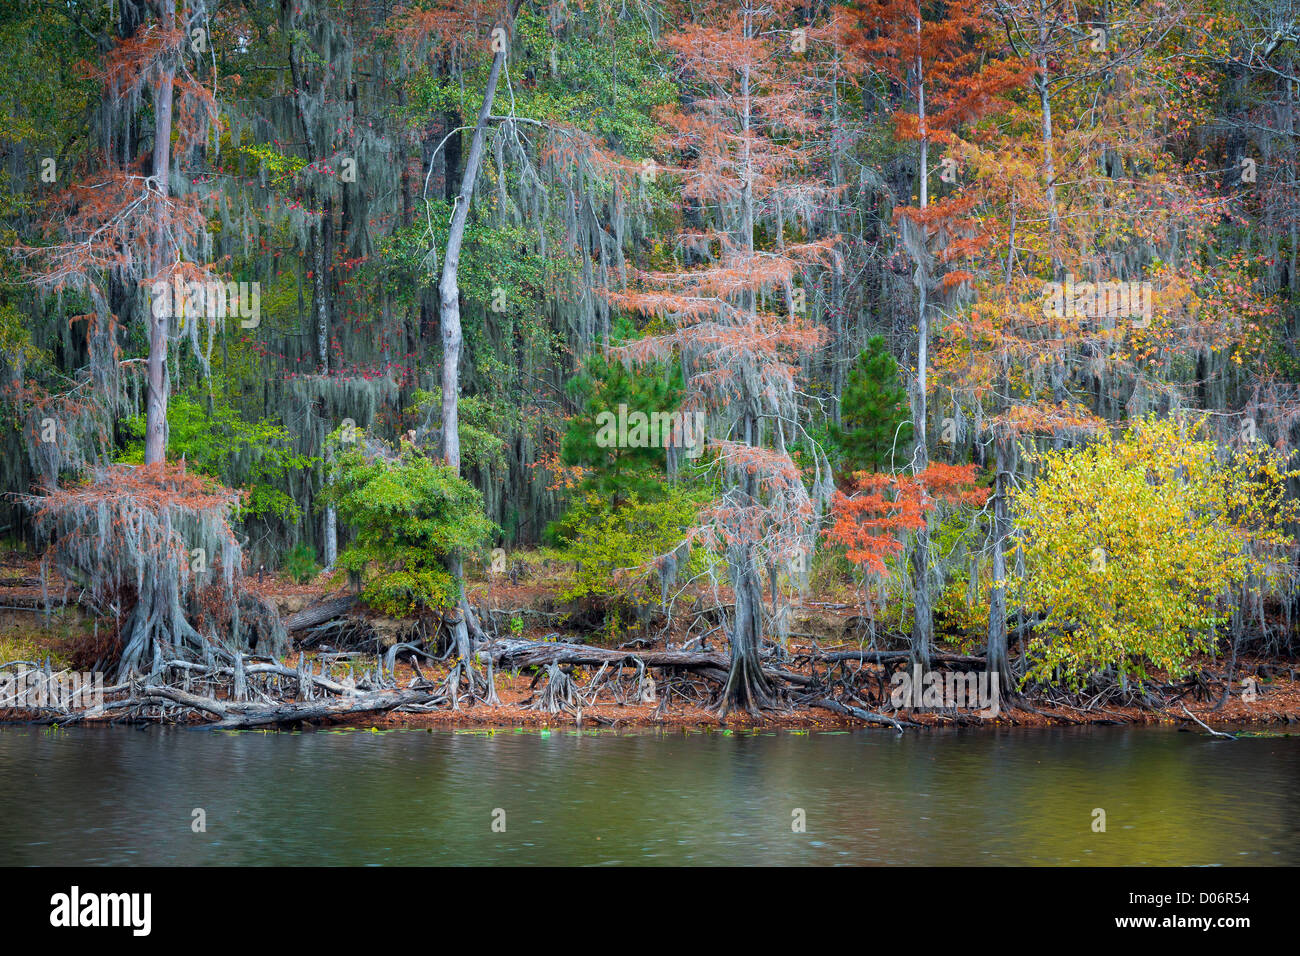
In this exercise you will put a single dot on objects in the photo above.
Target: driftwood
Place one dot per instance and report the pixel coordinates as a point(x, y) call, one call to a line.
point(519, 653)
point(320, 612)
point(1212, 731)
point(886, 657)
point(869, 716)
point(516, 653)
point(234, 715)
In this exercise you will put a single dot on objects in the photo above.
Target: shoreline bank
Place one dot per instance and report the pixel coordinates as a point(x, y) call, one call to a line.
point(1276, 703)
point(827, 679)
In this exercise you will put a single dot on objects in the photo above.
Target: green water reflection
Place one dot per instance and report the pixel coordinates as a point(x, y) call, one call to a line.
point(123, 796)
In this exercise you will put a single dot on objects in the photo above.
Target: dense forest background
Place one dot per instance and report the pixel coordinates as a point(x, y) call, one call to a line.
point(986, 309)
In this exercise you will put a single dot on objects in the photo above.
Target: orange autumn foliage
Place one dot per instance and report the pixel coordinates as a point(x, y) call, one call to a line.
point(870, 522)
point(953, 50)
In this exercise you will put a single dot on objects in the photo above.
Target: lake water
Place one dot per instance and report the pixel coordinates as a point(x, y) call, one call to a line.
point(127, 796)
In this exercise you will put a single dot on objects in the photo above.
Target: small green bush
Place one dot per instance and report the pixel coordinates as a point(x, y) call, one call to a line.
point(300, 565)
point(410, 515)
point(615, 548)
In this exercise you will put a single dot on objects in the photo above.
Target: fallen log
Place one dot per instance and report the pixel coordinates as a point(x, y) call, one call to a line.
point(320, 612)
point(867, 715)
point(13, 582)
point(514, 653)
point(886, 657)
point(235, 716)
point(507, 652)
point(803, 680)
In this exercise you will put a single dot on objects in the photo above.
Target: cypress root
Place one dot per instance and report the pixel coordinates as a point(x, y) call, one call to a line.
point(148, 540)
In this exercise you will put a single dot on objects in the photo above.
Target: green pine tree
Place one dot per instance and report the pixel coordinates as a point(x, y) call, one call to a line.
point(874, 412)
point(619, 473)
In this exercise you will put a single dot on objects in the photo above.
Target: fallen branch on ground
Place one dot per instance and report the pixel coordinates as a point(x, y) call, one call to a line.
point(870, 717)
point(1213, 732)
point(235, 715)
point(320, 612)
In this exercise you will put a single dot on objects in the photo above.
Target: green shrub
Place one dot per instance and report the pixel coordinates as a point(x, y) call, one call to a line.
point(300, 565)
point(615, 548)
point(215, 440)
point(410, 515)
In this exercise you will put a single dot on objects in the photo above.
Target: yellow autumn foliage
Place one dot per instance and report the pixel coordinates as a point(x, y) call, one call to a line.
point(1132, 545)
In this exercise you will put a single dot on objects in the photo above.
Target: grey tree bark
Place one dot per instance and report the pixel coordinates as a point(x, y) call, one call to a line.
point(449, 314)
point(997, 634)
point(923, 617)
point(155, 433)
point(319, 285)
point(746, 684)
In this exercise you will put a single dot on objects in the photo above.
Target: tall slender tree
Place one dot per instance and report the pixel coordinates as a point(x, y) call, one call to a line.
point(947, 75)
point(498, 43)
point(127, 243)
point(735, 316)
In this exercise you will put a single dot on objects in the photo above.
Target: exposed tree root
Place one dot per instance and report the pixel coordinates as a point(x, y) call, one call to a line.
point(236, 715)
point(858, 712)
point(558, 691)
point(254, 694)
point(237, 690)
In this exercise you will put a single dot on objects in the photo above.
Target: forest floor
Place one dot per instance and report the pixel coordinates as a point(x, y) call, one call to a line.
point(534, 611)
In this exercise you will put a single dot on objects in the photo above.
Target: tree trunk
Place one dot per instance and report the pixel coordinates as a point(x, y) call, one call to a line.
point(155, 434)
point(449, 314)
point(320, 259)
point(321, 306)
point(838, 353)
point(1049, 159)
point(746, 685)
point(923, 618)
point(997, 643)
